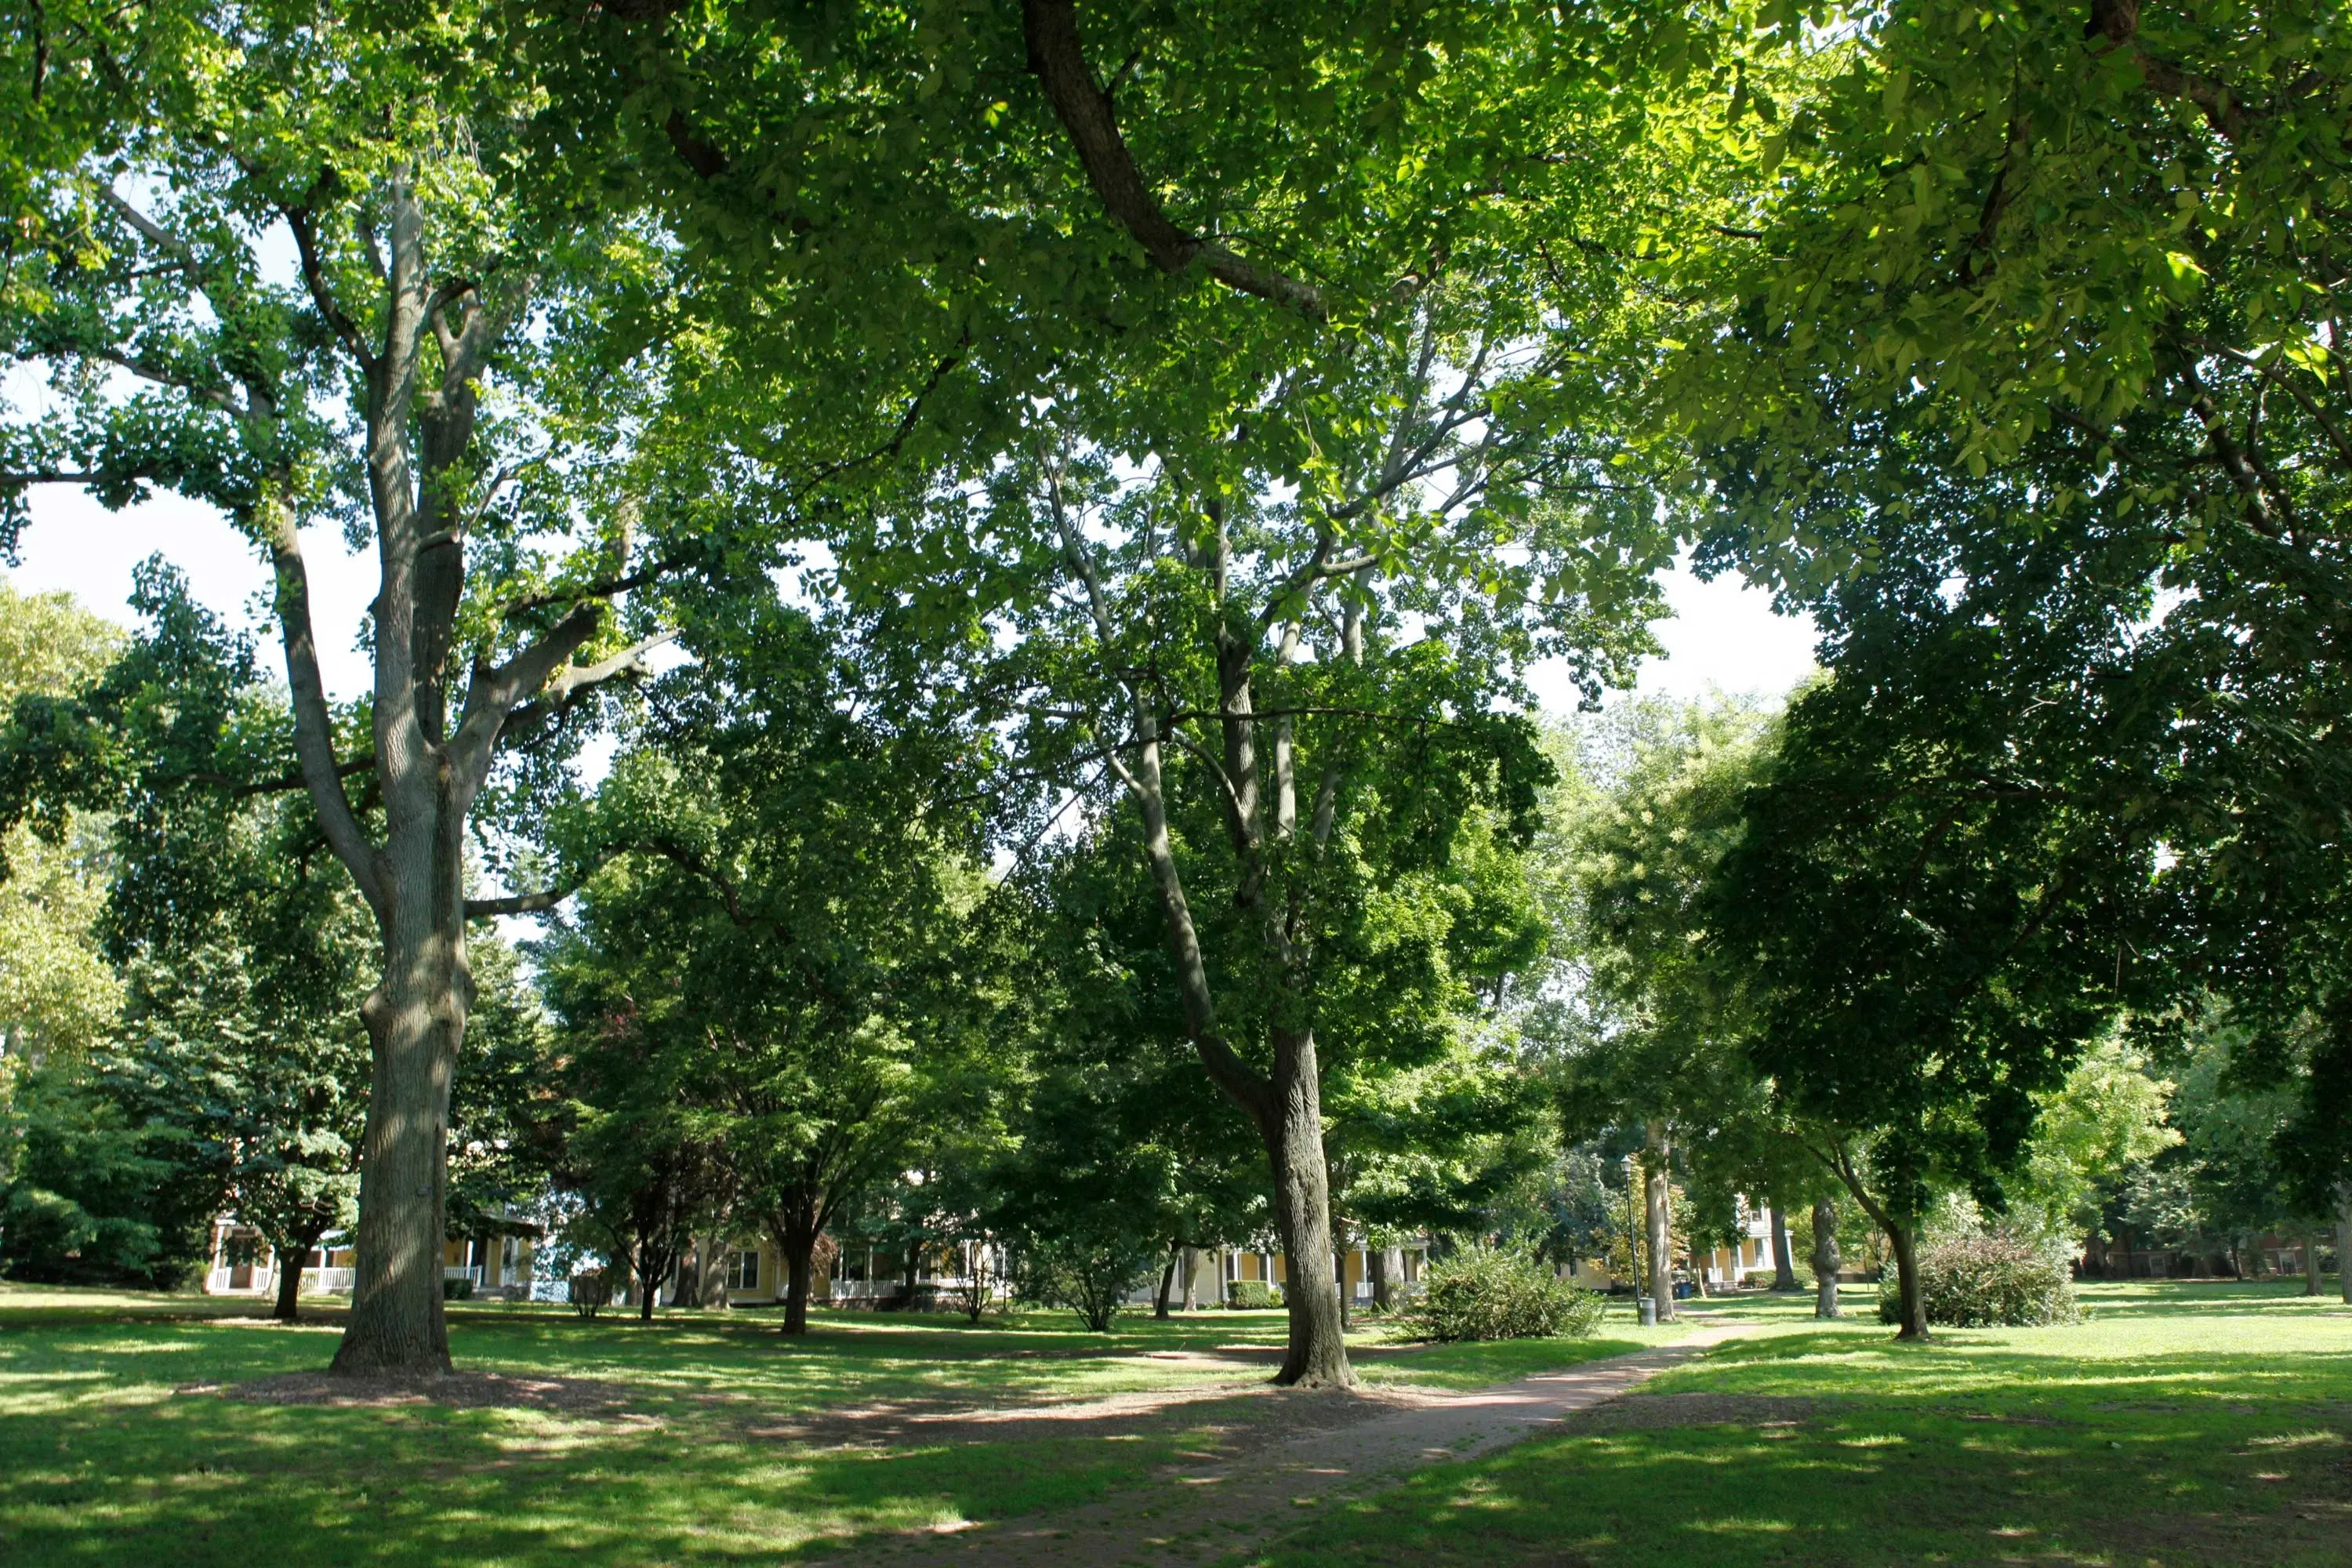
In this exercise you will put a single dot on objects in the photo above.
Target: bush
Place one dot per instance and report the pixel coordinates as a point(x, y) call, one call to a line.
point(1090, 1275)
point(457, 1289)
point(1985, 1282)
point(1484, 1294)
point(1251, 1293)
point(590, 1292)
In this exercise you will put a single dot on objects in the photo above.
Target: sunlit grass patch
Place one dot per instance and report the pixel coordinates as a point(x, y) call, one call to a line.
point(2182, 1425)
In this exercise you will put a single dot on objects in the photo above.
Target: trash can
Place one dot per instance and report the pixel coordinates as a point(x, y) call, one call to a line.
point(1649, 1312)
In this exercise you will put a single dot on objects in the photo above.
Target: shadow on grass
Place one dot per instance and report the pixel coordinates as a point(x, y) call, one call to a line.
point(732, 1443)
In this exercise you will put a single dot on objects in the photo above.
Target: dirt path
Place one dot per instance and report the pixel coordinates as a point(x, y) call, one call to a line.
point(1193, 1515)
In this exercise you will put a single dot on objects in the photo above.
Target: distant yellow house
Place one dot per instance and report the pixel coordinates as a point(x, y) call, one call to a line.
point(496, 1264)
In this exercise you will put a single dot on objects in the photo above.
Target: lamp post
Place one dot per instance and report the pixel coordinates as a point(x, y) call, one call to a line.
point(1633, 1237)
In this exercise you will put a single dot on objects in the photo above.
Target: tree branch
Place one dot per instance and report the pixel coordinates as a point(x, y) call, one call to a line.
point(303, 220)
point(575, 682)
point(314, 735)
point(1085, 112)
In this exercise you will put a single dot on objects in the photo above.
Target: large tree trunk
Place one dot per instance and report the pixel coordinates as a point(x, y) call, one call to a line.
point(426, 773)
point(1784, 1259)
point(1317, 1355)
point(715, 1253)
point(416, 1017)
point(1383, 1279)
point(1193, 1262)
point(799, 1250)
point(1658, 1198)
point(1826, 1261)
point(1904, 1237)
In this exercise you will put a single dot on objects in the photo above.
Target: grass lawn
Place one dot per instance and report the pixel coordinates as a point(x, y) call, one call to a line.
point(726, 1443)
point(2184, 1423)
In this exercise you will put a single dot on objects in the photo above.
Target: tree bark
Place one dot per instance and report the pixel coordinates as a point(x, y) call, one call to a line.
point(1826, 1261)
point(1904, 1238)
point(1194, 1261)
point(1383, 1283)
point(1167, 1284)
point(1316, 1352)
point(289, 1276)
point(415, 1018)
point(2343, 1240)
point(715, 1253)
point(1784, 1258)
point(2311, 1263)
point(798, 1250)
point(1658, 1198)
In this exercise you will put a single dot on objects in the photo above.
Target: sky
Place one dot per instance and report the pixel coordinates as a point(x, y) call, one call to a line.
point(1723, 633)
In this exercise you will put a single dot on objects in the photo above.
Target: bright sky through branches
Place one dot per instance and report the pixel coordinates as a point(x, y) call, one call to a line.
point(1724, 633)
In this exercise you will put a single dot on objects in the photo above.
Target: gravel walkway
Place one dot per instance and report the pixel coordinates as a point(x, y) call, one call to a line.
point(1193, 1516)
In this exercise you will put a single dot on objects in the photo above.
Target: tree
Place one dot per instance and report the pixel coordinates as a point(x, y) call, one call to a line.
point(58, 995)
point(782, 931)
point(2096, 319)
point(385, 147)
point(1375, 347)
point(238, 1066)
point(1653, 801)
point(1934, 915)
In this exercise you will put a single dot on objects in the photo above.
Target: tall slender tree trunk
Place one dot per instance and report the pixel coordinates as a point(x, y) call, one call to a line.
point(1194, 1261)
point(1167, 1283)
point(1286, 1104)
point(1904, 1237)
point(1658, 1198)
point(1784, 1259)
point(2311, 1263)
point(2343, 1240)
point(1826, 1261)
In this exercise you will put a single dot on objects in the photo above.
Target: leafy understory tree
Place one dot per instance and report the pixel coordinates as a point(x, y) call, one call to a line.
point(782, 926)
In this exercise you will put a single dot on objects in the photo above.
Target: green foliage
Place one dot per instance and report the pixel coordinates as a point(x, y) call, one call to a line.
point(1934, 917)
point(2108, 1119)
point(1985, 1281)
point(1250, 1295)
point(1490, 1293)
point(765, 998)
point(91, 1198)
point(2068, 361)
point(58, 995)
point(1086, 1262)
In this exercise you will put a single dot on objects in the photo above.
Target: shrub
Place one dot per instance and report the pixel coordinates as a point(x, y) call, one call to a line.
point(1485, 1294)
point(1090, 1275)
point(590, 1292)
point(1985, 1282)
point(457, 1289)
point(1251, 1293)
